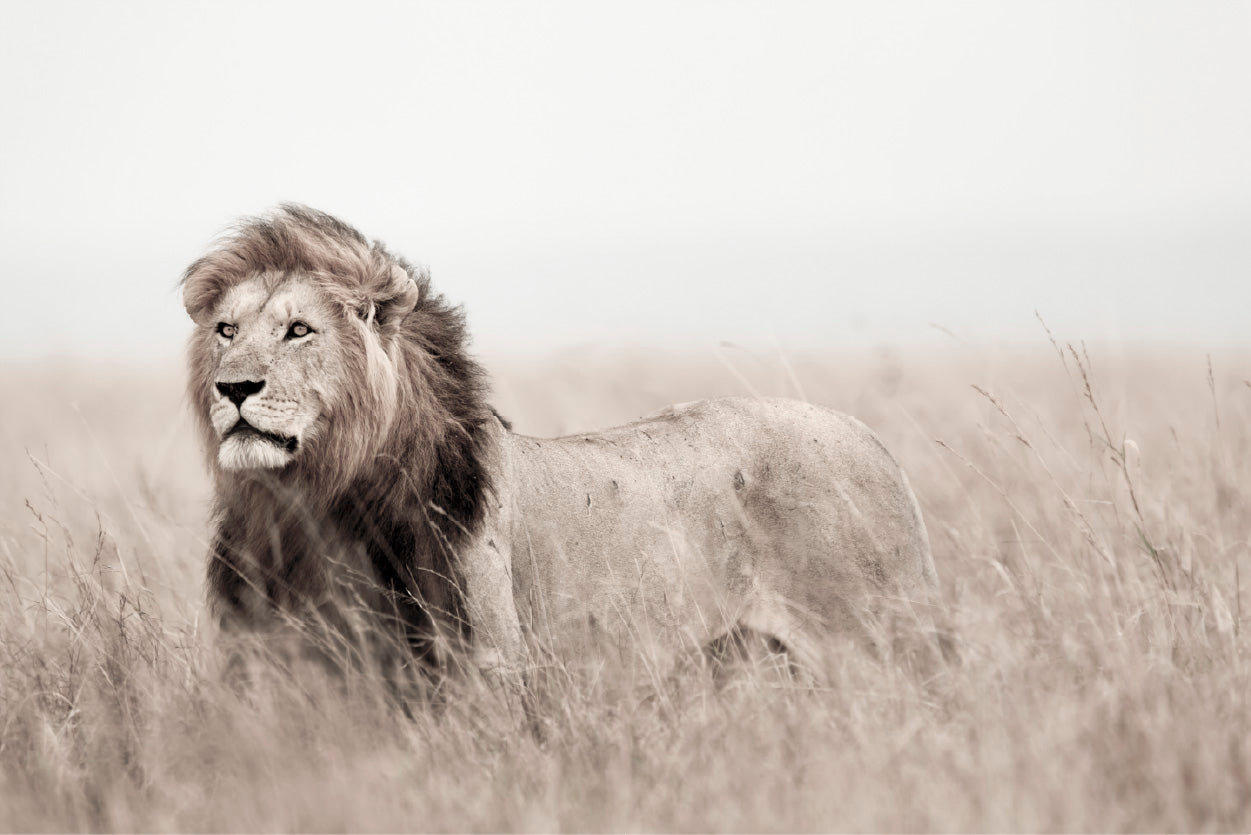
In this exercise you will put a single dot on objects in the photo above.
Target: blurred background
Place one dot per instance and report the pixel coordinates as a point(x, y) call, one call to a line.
point(662, 176)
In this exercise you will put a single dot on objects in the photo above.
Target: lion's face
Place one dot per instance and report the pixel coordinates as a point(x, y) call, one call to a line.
point(277, 353)
point(300, 324)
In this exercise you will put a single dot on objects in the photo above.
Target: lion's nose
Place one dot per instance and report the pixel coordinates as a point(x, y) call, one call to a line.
point(238, 392)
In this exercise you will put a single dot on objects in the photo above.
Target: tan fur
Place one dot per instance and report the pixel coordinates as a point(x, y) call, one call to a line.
point(711, 519)
point(775, 517)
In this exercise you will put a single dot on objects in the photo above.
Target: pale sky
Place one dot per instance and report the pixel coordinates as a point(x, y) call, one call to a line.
point(659, 175)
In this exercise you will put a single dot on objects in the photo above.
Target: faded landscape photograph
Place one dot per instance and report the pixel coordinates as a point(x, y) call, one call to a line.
point(1012, 242)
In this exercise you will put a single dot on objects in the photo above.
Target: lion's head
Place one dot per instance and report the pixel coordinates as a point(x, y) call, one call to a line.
point(311, 345)
point(343, 420)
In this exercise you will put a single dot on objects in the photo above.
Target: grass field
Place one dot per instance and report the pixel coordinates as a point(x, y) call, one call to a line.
point(1090, 520)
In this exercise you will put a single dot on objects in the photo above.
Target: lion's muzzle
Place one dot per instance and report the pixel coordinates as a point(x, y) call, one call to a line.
point(238, 392)
point(245, 447)
point(255, 433)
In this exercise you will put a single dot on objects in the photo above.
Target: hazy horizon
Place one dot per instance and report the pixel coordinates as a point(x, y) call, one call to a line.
point(666, 177)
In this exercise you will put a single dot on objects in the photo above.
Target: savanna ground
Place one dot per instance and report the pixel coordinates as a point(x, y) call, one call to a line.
point(1090, 523)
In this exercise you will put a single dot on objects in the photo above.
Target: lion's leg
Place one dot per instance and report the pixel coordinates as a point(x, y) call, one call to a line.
point(497, 648)
point(744, 647)
point(765, 637)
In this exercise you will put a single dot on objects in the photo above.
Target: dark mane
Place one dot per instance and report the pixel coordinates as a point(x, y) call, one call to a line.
point(403, 518)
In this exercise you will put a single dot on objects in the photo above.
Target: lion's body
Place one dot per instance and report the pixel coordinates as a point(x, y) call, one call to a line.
point(358, 467)
point(772, 515)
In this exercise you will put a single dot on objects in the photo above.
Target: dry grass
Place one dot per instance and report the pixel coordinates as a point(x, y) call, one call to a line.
point(1090, 523)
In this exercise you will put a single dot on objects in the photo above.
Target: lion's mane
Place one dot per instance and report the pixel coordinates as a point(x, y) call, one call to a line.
point(399, 474)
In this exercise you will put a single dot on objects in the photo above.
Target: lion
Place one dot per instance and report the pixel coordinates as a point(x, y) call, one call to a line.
point(356, 464)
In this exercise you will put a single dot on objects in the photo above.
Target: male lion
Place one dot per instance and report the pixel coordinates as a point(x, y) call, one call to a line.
point(358, 467)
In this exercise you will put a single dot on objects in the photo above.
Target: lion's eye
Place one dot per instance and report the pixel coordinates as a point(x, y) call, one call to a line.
point(297, 330)
point(226, 330)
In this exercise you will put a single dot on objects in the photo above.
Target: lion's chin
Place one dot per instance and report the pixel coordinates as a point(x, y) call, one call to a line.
point(252, 452)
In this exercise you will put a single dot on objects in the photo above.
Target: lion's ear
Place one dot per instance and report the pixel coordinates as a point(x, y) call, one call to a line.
point(388, 307)
point(199, 294)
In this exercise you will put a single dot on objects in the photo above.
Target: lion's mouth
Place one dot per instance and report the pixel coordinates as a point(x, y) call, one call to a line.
point(243, 429)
